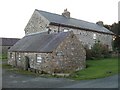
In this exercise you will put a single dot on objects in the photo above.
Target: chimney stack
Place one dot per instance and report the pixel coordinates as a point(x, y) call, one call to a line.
point(100, 23)
point(66, 13)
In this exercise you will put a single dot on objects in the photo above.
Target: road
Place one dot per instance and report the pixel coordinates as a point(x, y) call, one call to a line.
point(12, 80)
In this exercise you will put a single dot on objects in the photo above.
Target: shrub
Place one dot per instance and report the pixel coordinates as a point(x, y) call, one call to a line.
point(3, 56)
point(97, 51)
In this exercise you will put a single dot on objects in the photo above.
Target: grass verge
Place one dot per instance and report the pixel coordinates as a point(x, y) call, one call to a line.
point(97, 69)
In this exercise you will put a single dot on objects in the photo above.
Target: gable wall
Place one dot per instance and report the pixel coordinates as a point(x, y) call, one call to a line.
point(73, 57)
point(86, 37)
point(36, 23)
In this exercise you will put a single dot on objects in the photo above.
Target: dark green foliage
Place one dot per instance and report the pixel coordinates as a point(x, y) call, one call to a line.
point(97, 51)
point(3, 56)
point(115, 28)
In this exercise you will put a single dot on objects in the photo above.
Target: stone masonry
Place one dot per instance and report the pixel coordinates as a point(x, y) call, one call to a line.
point(69, 56)
point(39, 23)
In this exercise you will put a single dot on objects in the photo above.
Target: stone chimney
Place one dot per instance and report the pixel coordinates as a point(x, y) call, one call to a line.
point(66, 13)
point(100, 23)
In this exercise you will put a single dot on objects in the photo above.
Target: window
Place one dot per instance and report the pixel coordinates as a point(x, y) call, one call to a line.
point(39, 59)
point(114, 37)
point(19, 56)
point(60, 53)
point(11, 55)
point(94, 36)
point(90, 47)
point(65, 30)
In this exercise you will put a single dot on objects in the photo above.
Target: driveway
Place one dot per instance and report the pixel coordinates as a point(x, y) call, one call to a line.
point(13, 80)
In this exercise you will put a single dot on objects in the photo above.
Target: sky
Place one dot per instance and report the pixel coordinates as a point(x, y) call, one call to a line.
point(15, 14)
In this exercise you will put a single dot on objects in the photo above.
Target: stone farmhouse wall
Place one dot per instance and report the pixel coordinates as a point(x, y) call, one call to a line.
point(38, 23)
point(86, 37)
point(67, 57)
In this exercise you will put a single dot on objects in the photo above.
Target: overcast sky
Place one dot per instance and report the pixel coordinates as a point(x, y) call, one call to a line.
point(15, 14)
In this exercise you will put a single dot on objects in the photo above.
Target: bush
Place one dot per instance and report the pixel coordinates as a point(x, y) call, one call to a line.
point(97, 51)
point(3, 56)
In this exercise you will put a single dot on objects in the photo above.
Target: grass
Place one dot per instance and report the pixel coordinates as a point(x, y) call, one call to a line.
point(97, 69)
point(3, 56)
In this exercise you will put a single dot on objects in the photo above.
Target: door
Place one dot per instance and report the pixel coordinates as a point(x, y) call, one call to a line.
point(27, 63)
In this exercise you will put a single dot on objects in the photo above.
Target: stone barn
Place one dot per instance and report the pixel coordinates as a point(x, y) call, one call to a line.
point(49, 52)
point(6, 43)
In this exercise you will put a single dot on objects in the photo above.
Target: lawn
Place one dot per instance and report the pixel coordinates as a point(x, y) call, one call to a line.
point(97, 69)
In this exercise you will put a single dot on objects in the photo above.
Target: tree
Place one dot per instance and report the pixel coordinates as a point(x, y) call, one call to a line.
point(115, 28)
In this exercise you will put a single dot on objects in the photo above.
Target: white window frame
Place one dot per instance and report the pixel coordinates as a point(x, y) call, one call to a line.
point(39, 58)
point(94, 36)
point(19, 57)
point(65, 30)
point(11, 55)
point(60, 53)
point(90, 46)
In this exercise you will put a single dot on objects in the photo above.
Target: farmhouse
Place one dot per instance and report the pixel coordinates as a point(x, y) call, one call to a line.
point(88, 33)
point(50, 53)
point(6, 43)
point(55, 43)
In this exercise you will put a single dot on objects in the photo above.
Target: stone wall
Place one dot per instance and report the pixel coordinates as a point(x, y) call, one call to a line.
point(86, 37)
point(12, 59)
point(36, 23)
point(73, 55)
point(67, 57)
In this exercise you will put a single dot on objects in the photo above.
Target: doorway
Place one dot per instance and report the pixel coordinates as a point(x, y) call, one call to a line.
point(27, 63)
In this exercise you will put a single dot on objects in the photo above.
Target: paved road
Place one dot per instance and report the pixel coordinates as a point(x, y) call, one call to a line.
point(108, 82)
point(12, 80)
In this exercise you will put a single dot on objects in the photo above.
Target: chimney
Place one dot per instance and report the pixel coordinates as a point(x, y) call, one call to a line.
point(100, 23)
point(66, 13)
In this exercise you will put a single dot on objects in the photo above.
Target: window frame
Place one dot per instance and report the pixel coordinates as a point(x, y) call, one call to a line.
point(65, 30)
point(11, 55)
point(94, 36)
point(39, 58)
point(19, 56)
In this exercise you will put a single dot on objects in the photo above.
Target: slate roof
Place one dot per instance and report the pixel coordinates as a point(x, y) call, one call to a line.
point(40, 42)
point(8, 41)
point(72, 22)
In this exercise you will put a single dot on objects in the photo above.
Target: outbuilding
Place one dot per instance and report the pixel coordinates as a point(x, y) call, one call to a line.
point(51, 53)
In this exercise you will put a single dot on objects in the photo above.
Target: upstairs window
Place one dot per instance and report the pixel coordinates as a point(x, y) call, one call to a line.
point(94, 36)
point(60, 53)
point(90, 47)
point(65, 30)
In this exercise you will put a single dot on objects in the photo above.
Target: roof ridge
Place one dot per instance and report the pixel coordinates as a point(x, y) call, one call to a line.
point(61, 15)
point(73, 22)
point(47, 12)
